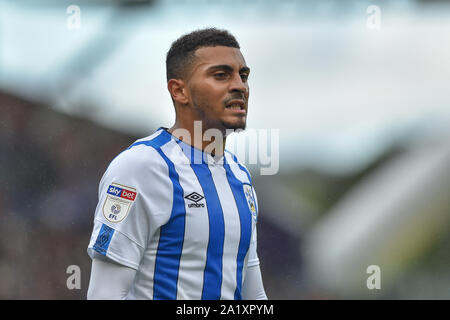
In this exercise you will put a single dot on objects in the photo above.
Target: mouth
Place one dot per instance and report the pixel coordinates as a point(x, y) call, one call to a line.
point(236, 105)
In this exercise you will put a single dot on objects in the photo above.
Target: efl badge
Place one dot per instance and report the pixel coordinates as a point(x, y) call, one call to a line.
point(250, 199)
point(118, 202)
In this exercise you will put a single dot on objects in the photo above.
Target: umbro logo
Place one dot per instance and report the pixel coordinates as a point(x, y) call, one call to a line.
point(195, 197)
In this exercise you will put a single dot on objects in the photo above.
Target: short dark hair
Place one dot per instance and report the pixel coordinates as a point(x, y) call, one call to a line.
point(182, 51)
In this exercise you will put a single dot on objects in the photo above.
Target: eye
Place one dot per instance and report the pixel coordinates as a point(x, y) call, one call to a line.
point(220, 75)
point(244, 76)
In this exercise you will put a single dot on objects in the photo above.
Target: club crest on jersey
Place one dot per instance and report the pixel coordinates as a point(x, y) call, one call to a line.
point(248, 191)
point(118, 201)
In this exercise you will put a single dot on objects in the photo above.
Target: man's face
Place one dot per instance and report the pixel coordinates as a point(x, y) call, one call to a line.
point(218, 88)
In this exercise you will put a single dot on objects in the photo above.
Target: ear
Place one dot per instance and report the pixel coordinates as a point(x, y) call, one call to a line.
point(178, 90)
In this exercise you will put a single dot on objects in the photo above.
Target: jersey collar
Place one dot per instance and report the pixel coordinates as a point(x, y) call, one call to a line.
point(196, 156)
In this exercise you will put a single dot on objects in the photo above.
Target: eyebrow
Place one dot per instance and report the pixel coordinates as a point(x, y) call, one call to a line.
point(227, 68)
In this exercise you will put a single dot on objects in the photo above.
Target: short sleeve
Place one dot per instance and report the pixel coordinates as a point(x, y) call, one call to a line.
point(133, 201)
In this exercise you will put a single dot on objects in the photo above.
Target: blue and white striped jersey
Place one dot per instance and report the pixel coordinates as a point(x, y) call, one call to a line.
point(188, 226)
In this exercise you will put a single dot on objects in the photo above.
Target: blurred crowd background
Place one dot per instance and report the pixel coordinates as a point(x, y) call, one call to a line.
point(358, 90)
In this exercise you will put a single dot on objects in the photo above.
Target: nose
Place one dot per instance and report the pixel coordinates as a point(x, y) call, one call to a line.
point(237, 85)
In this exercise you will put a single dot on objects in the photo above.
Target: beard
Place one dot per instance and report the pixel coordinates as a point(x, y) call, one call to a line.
point(234, 125)
point(210, 119)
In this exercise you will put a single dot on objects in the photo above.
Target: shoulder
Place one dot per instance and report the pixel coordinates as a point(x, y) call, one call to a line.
point(138, 162)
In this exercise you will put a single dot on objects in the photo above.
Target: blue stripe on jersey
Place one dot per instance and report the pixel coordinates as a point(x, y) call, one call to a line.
point(103, 239)
point(171, 238)
point(212, 276)
point(245, 217)
point(240, 166)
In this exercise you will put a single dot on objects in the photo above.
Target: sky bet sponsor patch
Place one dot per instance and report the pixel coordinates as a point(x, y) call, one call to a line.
point(118, 202)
